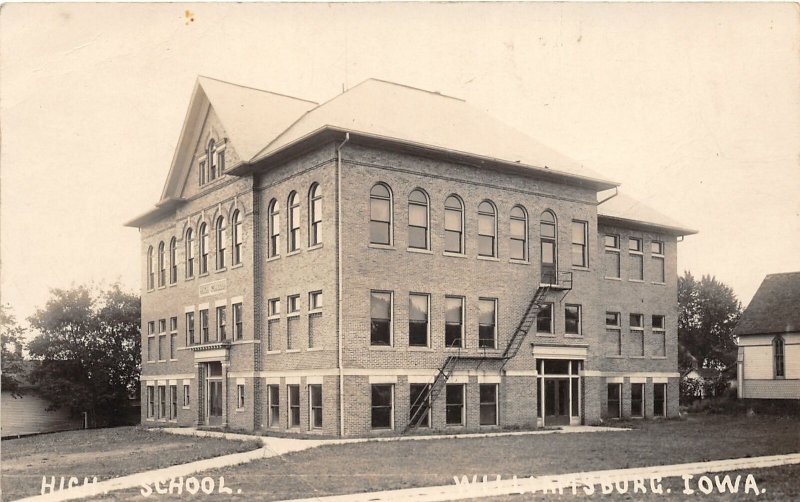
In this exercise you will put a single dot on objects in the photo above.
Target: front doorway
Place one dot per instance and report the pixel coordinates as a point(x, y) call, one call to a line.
point(214, 394)
point(558, 392)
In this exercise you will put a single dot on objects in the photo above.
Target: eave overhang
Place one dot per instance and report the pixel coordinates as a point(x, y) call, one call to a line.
point(163, 208)
point(331, 133)
point(644, 225)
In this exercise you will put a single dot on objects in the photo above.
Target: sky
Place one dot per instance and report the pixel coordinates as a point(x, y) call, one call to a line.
point(693, 108)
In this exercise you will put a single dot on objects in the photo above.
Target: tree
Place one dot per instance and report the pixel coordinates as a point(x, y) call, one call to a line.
point(11, 335)
point(90, 350)
point(708, 313)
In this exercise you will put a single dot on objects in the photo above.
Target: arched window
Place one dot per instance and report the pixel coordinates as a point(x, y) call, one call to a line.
point(203, 248)
point(778, 358)
point(173, 261)
point(274, 228)
point(151, 275)
point(212, 161)
point(162, 265)
point(418, 220)
point(236, 228)
point(314, 215)
point(518, 247)
point(549, 247)
point(380, 215)
point(189, 253)
point(222, 238)
point(487, 229)
point(294, 222)
point(453, 225)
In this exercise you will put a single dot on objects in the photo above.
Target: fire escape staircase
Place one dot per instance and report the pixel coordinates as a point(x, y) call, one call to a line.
point(424, 402)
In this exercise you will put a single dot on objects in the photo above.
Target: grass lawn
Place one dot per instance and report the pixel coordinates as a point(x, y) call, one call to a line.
point(342, 469)
point(105, 453)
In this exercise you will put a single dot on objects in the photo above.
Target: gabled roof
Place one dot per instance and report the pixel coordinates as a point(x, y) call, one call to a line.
point(395, 112)
point(775, 308)
point(624, 210)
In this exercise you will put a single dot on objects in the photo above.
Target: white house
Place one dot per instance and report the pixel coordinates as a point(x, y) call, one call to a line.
point(768, 336)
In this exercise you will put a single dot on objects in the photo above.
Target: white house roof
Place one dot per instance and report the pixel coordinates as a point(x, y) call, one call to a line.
point(626, 210)
point(392, 111)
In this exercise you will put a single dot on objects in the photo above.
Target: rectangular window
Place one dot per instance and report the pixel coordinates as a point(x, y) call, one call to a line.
point(659, 336)
point(274, 307)
point(221, 161)
point(202, 170)
point(637, 259)
point(151, 333)
point(660, 399)
point(614, 398)
point(204, 326)
point(420, 399)
point(273, 328)
point(162, 401)
point(454, 404)
point(418, 307)
point(173, 338)
point(613, 334)
point(222, 333)
point(580, 252)
point(637, 334)
point(173, 398)
point(544, 319)
point(487, 323)
point(273, 395)
point(315, 300)
point(314, 321)
point(382, 406)
point(637, 400)
point(292, 326)
point(453, 226)
point(417, 223)
point(294, 405)
point(190, 329)
point(488, 404)
point(186, 396)
point(612, 256)
point(151, 402)
point(572, 319)
point(293, 304)
point(315, 406)
point(162, 347)
point(380, 318)
point(239, 397)
point(238, 325)
point(454, 321)
point(657, 253)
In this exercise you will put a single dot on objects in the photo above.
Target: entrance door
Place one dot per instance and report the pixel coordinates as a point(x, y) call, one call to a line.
point(556, 401)
point(214, 402)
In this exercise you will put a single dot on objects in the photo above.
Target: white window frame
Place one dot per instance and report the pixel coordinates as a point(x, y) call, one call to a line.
point(311, 425)
point(495, 328)
point(427, 297)
point(613, 251)
point(463, 321)
point(584, 246)
point(240, 397)
point(315, 301)
point(187, 396)
point(580, 319)
point(638, 329)
point(463, 405)
point(659, 259)
point(391, 317)
point(496, 405)
point(391, 409)
point(639, 254)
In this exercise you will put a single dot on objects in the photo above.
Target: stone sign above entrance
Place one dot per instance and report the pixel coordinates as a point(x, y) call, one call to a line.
point(213, 288)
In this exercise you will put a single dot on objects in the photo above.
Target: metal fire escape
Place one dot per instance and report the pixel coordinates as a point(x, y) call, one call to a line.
point(562, 281)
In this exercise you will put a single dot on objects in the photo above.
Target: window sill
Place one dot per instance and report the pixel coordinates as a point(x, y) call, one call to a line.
point(162, 287)
point(293, 253)
point(381, 347)
point(271, 352)
point(292, 351)
point(273, 258)
point(658, 357)
point(314, 349)
point(186, 408)
point(615, 357)
point(636, 357)
point(204, 274)
point(220, 270)
point(173, 360)
point(162, 360)
point(572, 335)
point(315, 311)
point(658, 283)
point(420, 251)
point(293, 315)
point(488, 258)
point(581, 269)
point(613, 278)
point(189, 278)
point(547, 335)
point(274, 318)
point(454, 255)
point(636, 280)
point(386, 247)
point(238, 265)
point(518, 262)
point(150, 362)
point(172, 285)
point(454, 349)
point(315, 246)
point(239, 410)
point(419, 348)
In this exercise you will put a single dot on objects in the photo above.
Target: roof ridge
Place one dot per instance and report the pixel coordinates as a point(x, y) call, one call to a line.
point(255, 89)
point(782, 273)
point(436, 93)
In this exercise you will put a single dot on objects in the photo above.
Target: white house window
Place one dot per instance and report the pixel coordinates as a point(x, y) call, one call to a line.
point(637, 259)
point(315, 215)
point(454, 404)
point(204, 326)
point(151, 275)
point(222, 237)
point(294, 222)
point(418, 220)
point(222, 333)
point(657, 255)
point(173, 261)
point(294, 405)
point(315, 406)
point(778, 346)
point(454, 321)
point(190, 339)
point(274, 417)
point(487, 323)
point(173, 338)
point(240, 397)
point(518, 245)
point(418, 327)
point(202, 171)
point(186, 396)
point(212, 158)
point(274, 228)
point(488, 403)
point(544, 319)
point(380, 318)
point(419, 395)
point(637, 400)
point(189, 253)
point(659, 336)
point(162, 265)
point(203, 248)
point(612, 256)
point(613, 334)
point(637, 334)
point(382, 406)
point(548, 242)
point(380, 215)
point(580, 252)
point(453, 225)
point(487, 229)
point(236, 228)
point(238, 326)
point(572, 319)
